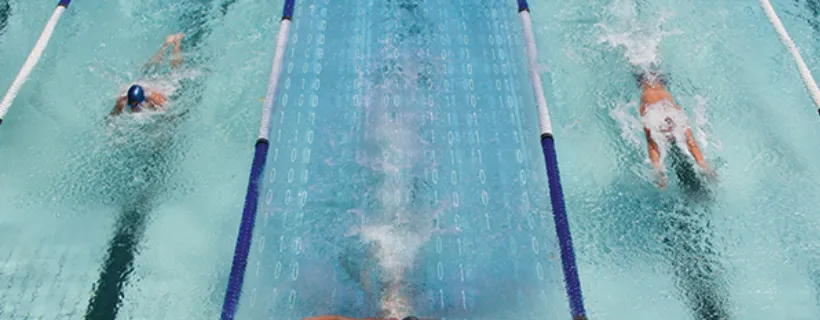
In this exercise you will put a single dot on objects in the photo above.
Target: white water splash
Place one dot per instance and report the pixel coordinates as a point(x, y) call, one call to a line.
point(396, 250)
point(701, 124)
point(638, 36)
point(627, 117)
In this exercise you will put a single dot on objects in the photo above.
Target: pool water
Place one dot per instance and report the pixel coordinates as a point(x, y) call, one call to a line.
point(404, 144)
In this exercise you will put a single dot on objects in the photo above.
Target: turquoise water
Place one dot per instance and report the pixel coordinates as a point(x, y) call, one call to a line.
point(394, 169)
point(753, 118)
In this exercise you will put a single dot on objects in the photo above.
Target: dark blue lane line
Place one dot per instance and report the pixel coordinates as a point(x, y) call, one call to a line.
point(689, 244)
point(5, 13)
point(246, 226)
point(119, 262)
point(813, 19)
point(226, 6)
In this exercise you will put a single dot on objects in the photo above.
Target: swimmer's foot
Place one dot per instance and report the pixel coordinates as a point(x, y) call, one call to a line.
point(174, 38)
point(709, 173)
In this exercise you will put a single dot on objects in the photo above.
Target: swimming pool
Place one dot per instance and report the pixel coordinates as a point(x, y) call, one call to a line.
point(359, 155)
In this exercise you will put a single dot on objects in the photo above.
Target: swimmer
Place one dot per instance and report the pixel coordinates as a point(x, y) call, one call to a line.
point(137, 99)
point(655, 98)
point(394, 304)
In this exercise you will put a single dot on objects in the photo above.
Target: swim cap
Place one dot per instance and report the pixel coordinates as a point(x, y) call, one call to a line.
point(410, 318)
point(136, 95)
point(651, 77)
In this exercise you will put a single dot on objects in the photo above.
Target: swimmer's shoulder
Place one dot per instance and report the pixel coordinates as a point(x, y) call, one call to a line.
point(650, 96)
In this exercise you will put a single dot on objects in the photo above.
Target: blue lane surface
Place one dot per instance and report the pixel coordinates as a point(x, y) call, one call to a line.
point(404, 146)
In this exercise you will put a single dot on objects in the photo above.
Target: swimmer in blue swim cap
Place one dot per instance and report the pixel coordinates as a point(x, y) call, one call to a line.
point(654, 97)
point(137, 99)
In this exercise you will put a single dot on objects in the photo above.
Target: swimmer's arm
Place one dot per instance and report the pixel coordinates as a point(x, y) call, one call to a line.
point(652, 146)
point(694, 149)
point(121, 102)
point(158, 100)
point(642, 109)
point(692, 144)
point(655, 158)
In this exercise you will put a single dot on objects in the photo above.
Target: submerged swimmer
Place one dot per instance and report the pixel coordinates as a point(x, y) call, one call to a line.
point(137, 99)
point(392, 300)
point(656, 100)
point(394, 303)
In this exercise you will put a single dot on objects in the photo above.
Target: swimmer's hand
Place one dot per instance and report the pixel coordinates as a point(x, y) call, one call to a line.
point(708, 172)
point(158, 100)
point(660, 179)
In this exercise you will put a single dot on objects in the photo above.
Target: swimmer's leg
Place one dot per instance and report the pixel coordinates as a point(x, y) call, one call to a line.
point(694, 149)
point(158, 57)
point(173, 39)
point(176, 39)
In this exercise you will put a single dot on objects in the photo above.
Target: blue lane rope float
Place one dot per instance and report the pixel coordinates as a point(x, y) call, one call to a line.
point(559, 211)
point(32, 59)
point(245, 235)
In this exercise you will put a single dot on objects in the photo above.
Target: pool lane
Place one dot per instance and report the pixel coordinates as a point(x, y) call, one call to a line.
point(404, 143)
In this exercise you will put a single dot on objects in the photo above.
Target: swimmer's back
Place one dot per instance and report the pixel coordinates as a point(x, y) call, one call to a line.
point(652, 96)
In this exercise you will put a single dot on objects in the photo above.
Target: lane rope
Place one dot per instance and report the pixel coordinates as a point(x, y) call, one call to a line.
point(33, 58)
point(245, 234)
point(787, 41)
point(559, 210)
